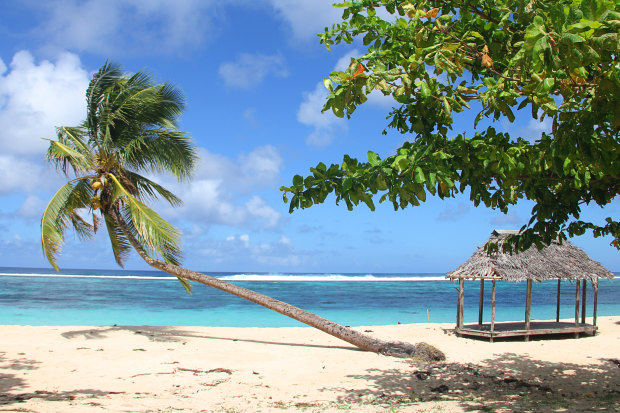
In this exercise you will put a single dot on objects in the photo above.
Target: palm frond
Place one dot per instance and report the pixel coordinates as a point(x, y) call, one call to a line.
point(185, 283)
point(161, 150)
point(149, 190)
point(70, 150)
point(59, 213)
point(172, 103)
point(124, 110)
point(84, 230)
point(105, 78)
point(126, 217)
point(156, 235)
point(120, 245)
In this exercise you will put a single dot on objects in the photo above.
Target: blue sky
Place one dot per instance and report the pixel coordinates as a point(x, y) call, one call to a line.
point(251, 72)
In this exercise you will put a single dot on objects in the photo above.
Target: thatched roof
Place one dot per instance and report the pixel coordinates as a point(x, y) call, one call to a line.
point(565, 261)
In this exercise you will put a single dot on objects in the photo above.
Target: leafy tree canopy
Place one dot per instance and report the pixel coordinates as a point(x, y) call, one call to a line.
point(548, 58)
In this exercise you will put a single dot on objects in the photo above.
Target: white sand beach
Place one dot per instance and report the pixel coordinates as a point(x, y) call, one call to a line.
point(194, 369)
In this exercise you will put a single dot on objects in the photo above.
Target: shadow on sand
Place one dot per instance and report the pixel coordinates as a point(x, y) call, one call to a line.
point(507, 383)
point(12, 386)
point(172, 334)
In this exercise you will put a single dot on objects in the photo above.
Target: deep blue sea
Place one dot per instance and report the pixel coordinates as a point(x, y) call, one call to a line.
point(31, 296)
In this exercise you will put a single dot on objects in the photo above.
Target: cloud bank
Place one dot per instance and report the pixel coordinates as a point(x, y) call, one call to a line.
point(250, 69)
point(101, 26)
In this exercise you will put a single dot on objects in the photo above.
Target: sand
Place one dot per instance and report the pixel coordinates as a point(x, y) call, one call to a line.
point(194, 369)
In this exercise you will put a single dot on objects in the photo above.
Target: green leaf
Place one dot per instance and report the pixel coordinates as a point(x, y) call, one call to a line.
point(186, 285)
point(373, 158)
point(347, 184)
point(432, 179)
point(419, 175)
point(328, 84)
point(566, 166)
point(60, 212)
point(425, 92)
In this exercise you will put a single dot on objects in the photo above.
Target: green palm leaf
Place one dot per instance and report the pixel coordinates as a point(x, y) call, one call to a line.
point(155, 233)
point(70, 150)
point(149, 190)
point(61, 212)
point(160, 150)
point(120, 245)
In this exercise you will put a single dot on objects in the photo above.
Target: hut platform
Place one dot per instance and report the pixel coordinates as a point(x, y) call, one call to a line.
point(518, 329)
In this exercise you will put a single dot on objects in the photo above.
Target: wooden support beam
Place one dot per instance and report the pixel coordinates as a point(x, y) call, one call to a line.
point(577, 297)
point(528, 307)
point(458, 307)
point(557, 311)
point(480, 310)
point(595, 287)
point(461, 303)
point(583, 301)
point(492, 311)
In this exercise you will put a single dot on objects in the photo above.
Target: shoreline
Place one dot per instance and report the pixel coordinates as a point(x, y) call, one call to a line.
point(145, 368)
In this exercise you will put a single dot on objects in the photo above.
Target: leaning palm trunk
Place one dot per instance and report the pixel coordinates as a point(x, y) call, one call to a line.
point(420, 351)
point(131, 129)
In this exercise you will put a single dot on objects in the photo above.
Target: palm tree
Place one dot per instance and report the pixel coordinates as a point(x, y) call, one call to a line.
point(130, 129)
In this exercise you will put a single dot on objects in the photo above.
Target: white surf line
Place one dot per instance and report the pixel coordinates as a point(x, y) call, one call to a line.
point(249, 278)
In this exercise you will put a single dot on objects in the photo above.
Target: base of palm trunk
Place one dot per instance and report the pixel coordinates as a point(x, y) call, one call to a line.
point(419, 352)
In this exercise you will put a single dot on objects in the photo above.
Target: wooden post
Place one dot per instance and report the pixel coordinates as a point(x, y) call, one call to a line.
point(528, 306)
point(577, 306)
point(595, 287)
point(458, 306)
point(583, 301)
point(461, 302)
point(493, 311)
point(557, 311)
point(480, 311)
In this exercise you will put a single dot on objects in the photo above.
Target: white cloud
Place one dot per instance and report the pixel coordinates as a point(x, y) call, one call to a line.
point(126, 26)
point(250, 69)
point(325, 124)
point(525, 127)
point(258, 208)
point(217, 193)
point(261, 166)
point(306, 18)
point(345, 61)
point(19, 175)
point(242, 250)
point(258, 168)
point(512, 219)
point(454, 214)
point(249, 115)
point(376, 98)
point(32, 207)
point(35, 98)
point(537, 127)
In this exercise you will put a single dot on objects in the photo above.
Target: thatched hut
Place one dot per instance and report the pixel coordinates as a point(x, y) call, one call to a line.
point(564, 262)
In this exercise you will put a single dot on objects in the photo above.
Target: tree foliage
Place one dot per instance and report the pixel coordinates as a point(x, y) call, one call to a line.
point(130, 129)
point(498, 59)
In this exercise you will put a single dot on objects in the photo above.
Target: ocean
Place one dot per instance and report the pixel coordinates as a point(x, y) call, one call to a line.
point(30, 296)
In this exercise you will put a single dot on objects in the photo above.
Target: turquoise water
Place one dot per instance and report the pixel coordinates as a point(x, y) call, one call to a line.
point(101, 297)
